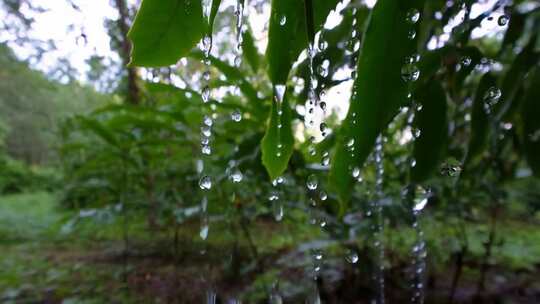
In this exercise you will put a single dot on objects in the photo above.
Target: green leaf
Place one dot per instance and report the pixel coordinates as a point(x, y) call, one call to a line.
point(213, 14)
point(287, 34)
point(233, 74)
point(514, 31)
point(100, 130)
point(430, 146)
point(277, 144)
point(513, 79)
point(378, 91)
point(479, 120)
point(530, 113)
point(251, 53)
point(165, 31)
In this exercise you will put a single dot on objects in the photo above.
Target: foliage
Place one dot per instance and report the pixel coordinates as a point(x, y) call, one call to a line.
point(473, 140)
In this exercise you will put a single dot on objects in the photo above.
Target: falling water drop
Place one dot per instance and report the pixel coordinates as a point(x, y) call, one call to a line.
point(206, 94)
point(275, 297)
point(491, 98)
point(203, 232)
point(410, 72)
point(421, 199)
point(278, 210)
point(205, 183)
point(323, 196)
point(208, 121)
point(325, 161)
point(283, 20)
point(451, 168)
point(466, 60)
point(236, 116)
point(280, 92)
point(352, 256)
point(503, 20)
point(206, 149)
point(312, 182)
point(413, 15)
point(236, 176)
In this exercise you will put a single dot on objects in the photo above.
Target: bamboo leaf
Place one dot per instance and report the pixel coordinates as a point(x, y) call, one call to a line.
point(431, 121)
point(277, 143)
point(479, 120)
point(530, 113)
point(287, 34)
point(379, 89)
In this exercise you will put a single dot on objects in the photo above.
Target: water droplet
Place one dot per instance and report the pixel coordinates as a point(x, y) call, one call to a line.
point(325, 161)
point(421, 197)
point(352, 257)
point(503, 20)
point(206, 94)
point(323, 196)
point(206, 75)
point(323, 105)
point(312, 182)
point(317, 254)
point(491, 98)
point(236, 176)
point(237, 61)
point(236, 116)
point(411, 34)
point(323, 71)
point(206, 131)
point(451, 169)
point(466, 60)
point(206, 149)
point(416, 132)
point(207, 120)
point(323, 45)
point(356, 172)
point(323, 127)
point(203, 232)
point(206, 45)
point(278, 210)
point(410, 72)
point(283, 20)
point(279, 91)
point(205, 183)
point(413, 15)
point(274, 196)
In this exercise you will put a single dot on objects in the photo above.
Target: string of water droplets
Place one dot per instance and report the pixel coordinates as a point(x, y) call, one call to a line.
point(275, 198)
point(312, 182)
point(415, 195)
point(378, 221)
point(235, 175)
point(205, 181)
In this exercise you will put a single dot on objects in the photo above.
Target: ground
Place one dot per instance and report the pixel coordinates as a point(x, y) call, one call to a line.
point(47, 259)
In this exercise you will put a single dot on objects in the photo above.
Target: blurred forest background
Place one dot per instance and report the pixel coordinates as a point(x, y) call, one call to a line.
point(100, 191)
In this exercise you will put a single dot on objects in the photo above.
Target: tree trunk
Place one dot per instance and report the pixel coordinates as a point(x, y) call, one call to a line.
point(133, 93)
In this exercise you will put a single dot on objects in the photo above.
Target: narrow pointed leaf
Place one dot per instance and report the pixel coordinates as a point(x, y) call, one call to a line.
point(379, 89)
point(213, 14)
point(165, 31)
point(530, 113)
point(277, 143)
point(251, 54)
point(287, 34)
point(479, 120)
point(430, 146)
